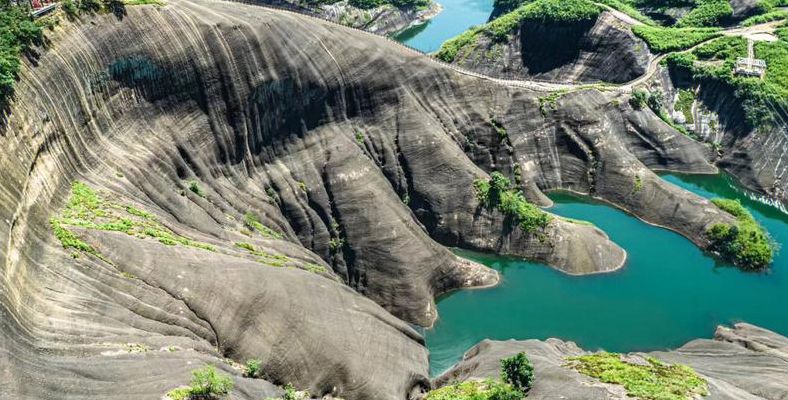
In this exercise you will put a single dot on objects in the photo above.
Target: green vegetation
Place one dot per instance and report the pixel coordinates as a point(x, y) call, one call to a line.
point(18, 33)
point(476, 390)
point(684, 104)
point(254, 368)
point(517, 375)
point(195, 188)
point(639, 99)
point(360, 137)
point(86, 209)
point(707, 13)
point(638, 184)
point(451, 48)
point(560, 11)
point(502, 133)
point(541, 11)
point(252, 221)
point(652, 381)
point(550, 101)
point(518, 371)
point(759, 98)
point(498, 193)
point(745, 243)
point(764, 18)
point(206, 384)
point(292, 394)
point(627, 8)
point(663, 40)
point(335, 244)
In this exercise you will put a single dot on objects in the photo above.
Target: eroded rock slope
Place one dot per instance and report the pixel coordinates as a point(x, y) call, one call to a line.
point(255, 184)
point(742, 362)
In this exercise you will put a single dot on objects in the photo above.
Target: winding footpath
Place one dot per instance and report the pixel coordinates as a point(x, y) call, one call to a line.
point(756, 31)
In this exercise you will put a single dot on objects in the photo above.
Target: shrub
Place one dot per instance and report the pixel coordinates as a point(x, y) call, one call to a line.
point(18, 33)
point(90, 5)
point(498, 193)
point(518, 371)
point(745, 243)
point(254, 368)
point(195, 188)
point(664, 40)
point(639, 99)
point(206, 384)
point(652, 381)
point(70, 8)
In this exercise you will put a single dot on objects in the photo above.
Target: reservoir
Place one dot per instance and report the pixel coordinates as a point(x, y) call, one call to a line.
point(456, 17)
point(669, 291)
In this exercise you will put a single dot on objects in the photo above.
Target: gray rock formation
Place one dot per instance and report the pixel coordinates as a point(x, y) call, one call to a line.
point(743, 362)
point(601, 50)
point(360, 154)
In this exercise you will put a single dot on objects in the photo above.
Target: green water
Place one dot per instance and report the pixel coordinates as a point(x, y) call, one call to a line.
point(456, 17)
point(668, 293)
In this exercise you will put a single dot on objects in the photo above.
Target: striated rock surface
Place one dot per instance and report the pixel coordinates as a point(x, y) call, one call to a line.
point(743, 362)
point(356, 158)
point(601, 50)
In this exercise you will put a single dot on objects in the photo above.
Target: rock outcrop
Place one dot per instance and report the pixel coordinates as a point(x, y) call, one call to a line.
point(743, 362)
point(356, 159)
point(604, 49)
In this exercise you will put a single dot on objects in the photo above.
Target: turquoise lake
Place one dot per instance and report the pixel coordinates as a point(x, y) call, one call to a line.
point(456, 17)
point(668, 293)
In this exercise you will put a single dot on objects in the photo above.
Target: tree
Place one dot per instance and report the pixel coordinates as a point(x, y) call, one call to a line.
point(639, 99)
point(518, 371)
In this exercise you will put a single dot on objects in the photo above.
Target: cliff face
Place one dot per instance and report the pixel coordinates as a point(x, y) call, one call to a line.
point(743, 362)
point(356, 159)
point(601, 50)
point(754, 156)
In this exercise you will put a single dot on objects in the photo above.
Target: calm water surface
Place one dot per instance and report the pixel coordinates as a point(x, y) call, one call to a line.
point(456, 17)
point(668, 293)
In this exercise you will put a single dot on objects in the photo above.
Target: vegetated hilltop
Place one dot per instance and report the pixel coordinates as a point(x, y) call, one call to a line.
point(553, 40)
point(208, 182)
point(686, 64)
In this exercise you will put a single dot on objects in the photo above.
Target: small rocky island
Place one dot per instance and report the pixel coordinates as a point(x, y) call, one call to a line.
point(207, 199)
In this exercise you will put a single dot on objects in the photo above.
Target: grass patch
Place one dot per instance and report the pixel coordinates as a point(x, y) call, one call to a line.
point(745, 243)
point(252, 221)
point(86, 209)
point(684, 104)
point(195, 188)
point(488, 389)
point(663, 40)
point(498, 193)
point(652, 381)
